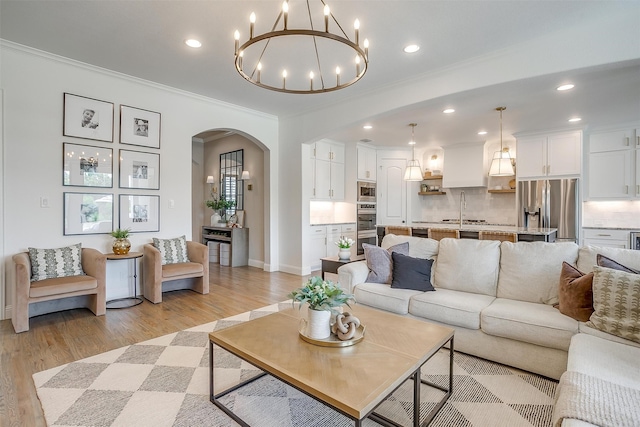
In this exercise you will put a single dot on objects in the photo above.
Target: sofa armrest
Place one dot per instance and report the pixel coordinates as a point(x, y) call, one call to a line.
point(23, 275)
point(197, 252)
point(94, 264)
point(352, 274)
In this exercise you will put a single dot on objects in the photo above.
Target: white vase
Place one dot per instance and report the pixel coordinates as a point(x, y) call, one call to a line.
point(215, 218)
point(344, 253)
point(318, 324)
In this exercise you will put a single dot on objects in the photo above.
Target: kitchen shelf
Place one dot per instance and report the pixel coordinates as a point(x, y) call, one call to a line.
point(431, 193)
point(431, 177)
point(508, 190)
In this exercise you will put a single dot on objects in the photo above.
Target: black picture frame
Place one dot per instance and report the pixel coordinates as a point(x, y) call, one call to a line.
point(87, 118)
point(87, 166)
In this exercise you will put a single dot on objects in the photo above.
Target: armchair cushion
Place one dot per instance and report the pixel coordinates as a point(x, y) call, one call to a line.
point(54, 263)
point(172, 251)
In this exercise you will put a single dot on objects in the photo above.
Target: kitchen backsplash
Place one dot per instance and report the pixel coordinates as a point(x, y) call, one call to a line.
point(613, 214)
point(494, 208)
point(331, 212)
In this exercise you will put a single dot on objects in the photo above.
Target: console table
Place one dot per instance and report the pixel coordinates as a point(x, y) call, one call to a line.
point(237, 238)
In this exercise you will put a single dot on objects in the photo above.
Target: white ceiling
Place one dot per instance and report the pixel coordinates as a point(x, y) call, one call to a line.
point(145, 39)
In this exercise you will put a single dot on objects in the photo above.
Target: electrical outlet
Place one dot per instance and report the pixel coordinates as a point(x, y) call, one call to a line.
point(172, 204)
point(44, 202)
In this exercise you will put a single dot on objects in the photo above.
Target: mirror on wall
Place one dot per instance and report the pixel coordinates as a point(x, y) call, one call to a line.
point(231, 165)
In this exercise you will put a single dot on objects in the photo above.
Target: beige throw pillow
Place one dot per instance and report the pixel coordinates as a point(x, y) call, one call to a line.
point(616, 301)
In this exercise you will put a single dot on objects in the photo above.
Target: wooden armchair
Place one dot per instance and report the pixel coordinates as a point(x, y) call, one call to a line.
point(155, 274)
point(92, 285)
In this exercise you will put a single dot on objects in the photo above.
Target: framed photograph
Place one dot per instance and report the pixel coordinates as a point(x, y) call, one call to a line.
point(139, 170)
point(139, 127)
point(87, 118)
point(87, 166)
point(88, 213)
point(139, 213)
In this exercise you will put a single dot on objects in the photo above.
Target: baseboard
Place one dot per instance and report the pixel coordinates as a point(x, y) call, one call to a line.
point(8, 312)
point(256, 263)
point(292, 269)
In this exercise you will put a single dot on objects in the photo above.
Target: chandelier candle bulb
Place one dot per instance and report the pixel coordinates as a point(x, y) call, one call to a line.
point(366, 49)
point(357, 64)
point(337, 76)
point(284, 79)
point(252, 22)
point(326, 17)
point(259, 70)
point(311, 80)
point(236, 36)
point(356, 26)
point(285, 12)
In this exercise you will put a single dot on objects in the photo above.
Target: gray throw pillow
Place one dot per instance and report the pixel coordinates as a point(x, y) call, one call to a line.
point(380, 263)
point(411, 273)
point(607, 262)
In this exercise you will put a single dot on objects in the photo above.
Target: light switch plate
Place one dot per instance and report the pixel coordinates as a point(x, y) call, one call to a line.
point(44, 202)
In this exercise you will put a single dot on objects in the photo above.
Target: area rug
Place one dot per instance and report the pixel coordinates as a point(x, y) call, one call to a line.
point(165, 382)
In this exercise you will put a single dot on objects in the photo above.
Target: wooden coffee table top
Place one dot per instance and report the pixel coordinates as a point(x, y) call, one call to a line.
point(353, 379)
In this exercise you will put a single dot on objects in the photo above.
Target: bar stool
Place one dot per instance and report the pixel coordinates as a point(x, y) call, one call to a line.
point(441, 233)
point(397, 230)
point(503, 236)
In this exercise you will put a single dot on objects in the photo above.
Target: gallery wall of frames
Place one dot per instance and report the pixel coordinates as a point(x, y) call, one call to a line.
point(89, 168)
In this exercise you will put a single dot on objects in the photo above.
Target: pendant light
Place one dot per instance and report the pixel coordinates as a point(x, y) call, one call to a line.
point(413, 171)
point(501, 164)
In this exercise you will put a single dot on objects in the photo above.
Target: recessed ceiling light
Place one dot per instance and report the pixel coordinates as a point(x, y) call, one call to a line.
point(482, 132)
point(412, 48)
point(449, 111)
point(367, 127)
point(575, 119)
point(565, 87)
point(192, 43)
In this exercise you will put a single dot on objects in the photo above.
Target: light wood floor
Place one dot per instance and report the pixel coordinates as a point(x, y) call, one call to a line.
point(58, 338)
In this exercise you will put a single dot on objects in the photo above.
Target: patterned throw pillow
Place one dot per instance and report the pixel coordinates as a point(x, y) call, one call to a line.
point(173, 251)
point(616, 300)
point(52, 263)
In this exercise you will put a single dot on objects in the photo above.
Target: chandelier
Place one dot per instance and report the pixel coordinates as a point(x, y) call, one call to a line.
point(501, 164)
point(302, 60)
point(413, 171)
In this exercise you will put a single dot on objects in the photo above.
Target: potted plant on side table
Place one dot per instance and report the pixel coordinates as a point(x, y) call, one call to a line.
point(219, 205)
point(122, 244)
point(323, 297)
point(344, 243)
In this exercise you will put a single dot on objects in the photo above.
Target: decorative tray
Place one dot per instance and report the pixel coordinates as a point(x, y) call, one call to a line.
point(332, 340)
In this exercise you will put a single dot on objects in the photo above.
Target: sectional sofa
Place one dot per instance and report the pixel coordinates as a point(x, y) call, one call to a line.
point(501, 299)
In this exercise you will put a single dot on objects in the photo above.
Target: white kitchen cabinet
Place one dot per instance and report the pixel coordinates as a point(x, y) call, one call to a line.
point(465, 165)
point(367, 164)
point(614, 165)
point(606, 237)
point(549, 155)
point(333, 235)
point(317, 246)
point(328, 171)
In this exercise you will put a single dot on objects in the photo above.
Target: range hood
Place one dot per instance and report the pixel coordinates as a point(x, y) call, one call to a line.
point(465, 165)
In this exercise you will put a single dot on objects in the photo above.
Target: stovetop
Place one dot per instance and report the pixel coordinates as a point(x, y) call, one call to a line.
point(464, 221)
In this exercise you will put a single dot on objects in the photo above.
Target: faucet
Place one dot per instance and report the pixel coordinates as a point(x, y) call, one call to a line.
point(463, 205)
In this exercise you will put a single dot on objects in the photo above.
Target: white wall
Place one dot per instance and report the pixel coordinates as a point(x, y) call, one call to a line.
point(34, 82)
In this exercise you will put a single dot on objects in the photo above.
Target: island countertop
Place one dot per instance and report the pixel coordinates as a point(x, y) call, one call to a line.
point(488, 227)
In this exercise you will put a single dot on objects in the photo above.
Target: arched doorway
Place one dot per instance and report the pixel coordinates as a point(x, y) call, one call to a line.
point(207, 146)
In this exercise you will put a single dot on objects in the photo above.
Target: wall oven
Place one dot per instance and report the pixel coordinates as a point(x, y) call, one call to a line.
point(366, 192)
point(635, 240)
point(366, 225)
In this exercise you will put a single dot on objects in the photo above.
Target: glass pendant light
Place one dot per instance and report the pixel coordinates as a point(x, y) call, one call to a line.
point(413, 171)
point(501, 164)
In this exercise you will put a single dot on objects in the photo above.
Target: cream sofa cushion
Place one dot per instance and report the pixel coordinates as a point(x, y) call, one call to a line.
point(529, 322)
point(468, 265)
point(451, 307)
point(604, 359)
point(586, 329)
point(419, 247)
point(587, 257)
point(530, 271)
point(380, 295)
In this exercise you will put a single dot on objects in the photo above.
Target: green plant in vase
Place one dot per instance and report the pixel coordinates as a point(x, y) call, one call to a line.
point(121, 245)
point(219, 205)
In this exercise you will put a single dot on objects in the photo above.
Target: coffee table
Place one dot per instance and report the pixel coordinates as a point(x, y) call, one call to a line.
point(352, 380)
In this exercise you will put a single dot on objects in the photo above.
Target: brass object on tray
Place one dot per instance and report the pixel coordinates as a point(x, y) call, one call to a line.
point(332, 340)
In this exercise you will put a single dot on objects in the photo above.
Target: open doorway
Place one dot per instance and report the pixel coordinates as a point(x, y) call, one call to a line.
point(216, 168)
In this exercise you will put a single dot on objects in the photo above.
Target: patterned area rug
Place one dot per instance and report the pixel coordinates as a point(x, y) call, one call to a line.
point(165, 382)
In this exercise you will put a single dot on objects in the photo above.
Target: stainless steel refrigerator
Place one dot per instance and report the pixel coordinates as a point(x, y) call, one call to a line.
point(550, 203)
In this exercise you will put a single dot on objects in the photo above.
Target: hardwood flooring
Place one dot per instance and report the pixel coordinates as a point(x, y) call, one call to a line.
point(58, 338)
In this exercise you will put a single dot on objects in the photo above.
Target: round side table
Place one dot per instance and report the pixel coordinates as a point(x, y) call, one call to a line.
point(134, 300)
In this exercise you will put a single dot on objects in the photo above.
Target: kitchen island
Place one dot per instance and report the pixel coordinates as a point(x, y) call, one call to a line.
point(471, 230)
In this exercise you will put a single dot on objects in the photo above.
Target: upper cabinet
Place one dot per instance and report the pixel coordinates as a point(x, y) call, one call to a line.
point(549, 155)
point(465, 166)
point(328, 170)
point(614, 165)
point(366, 163)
